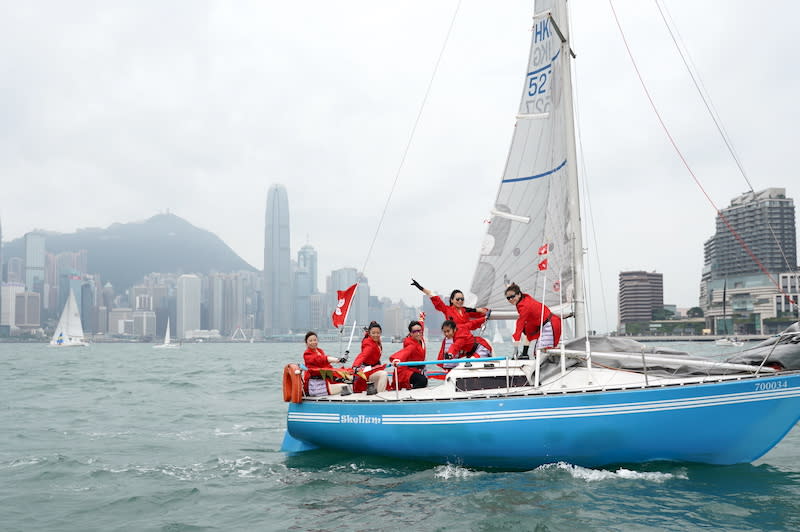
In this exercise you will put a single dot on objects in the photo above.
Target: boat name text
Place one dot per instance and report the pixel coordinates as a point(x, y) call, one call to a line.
point(361, 418)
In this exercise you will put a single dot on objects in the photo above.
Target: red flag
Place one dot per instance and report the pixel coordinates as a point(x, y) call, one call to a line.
point(543, 249)
point(343, 299)
point(543, 265)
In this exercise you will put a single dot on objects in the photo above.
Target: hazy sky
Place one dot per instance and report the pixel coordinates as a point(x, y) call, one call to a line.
point(113, 112)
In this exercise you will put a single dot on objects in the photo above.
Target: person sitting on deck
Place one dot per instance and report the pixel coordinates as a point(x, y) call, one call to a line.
point(407, 377)
point(368, 361)
point(320, 377)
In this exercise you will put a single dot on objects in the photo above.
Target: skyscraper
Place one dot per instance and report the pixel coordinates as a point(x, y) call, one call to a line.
point(34, 262)
point(277, 267)
point(765, 221)
point(307, 260)
point(188, 311)
point(640, 293)
point(735, 294)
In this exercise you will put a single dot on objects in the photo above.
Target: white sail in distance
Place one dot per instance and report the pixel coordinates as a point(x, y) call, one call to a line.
point(536, 215)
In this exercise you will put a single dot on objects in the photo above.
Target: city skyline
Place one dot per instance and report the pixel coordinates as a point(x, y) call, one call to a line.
point(206, 115)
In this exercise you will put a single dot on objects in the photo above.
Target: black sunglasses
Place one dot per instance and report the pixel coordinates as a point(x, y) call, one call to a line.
point(512, 296)
point(458, 299)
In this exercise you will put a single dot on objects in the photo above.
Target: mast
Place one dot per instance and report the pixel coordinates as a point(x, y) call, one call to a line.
point(573, 186)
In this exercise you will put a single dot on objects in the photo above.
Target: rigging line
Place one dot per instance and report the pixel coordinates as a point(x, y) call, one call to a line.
point(686, 163)
point(706, 97)
point(589, 205)
point(411, 137)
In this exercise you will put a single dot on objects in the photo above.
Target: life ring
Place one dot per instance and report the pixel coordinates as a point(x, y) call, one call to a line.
point(292, 384)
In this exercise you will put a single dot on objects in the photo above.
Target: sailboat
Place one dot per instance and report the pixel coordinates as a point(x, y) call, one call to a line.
point(69, 331)
point(167, 344)
point(589, 402)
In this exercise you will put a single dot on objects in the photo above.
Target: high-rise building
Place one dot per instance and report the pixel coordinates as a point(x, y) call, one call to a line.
point(27, 310)
point(765, 221)
point(359, 308)
point(736, 295)
point(34, 262)
point(277, 266)
point(307, 260)
point(640, 293)
point(188, 305)
point(15, 267)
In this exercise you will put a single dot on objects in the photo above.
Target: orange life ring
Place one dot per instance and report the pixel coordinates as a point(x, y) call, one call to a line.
point(292, 384)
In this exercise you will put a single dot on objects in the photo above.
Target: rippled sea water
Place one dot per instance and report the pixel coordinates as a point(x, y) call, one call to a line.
point(127, 437)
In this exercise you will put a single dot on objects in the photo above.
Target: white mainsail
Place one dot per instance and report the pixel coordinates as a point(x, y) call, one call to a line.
point(534, 236)
point(167, 339)
point(69, 331)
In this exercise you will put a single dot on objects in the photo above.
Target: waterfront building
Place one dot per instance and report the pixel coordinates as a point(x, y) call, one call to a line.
point(640, 293)
point(15, 267)
point(27, 310)
point(188, 305)
point(34, 262)
point(736, 295)
point(359, 308)
point(120, 321)
point(302, 288)
point(144, 323)
point(8, 307)
point(307, 260)
point(277, 267)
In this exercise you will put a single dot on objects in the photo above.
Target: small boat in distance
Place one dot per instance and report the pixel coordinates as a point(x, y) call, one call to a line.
point(166, 343)
point(69, 331)
point(731, 341)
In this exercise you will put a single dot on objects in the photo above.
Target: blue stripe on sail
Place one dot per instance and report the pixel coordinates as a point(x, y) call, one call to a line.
point(529, 178)
point(549, 65)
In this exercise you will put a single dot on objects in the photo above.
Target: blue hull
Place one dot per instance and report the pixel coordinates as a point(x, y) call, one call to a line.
point(720, 423)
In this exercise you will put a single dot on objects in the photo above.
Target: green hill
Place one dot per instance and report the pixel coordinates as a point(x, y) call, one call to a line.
point(124, 253)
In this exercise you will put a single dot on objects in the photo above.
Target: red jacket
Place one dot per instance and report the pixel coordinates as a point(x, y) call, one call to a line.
point(370, 354)
point(314, 361)
point(465, 322)
point(530, 319)
point(413, 351)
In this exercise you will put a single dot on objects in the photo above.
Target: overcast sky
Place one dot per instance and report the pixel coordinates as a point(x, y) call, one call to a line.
point(113, 112)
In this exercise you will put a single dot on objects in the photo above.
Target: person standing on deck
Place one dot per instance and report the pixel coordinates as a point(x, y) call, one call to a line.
point(465, 318)
point(536, 321)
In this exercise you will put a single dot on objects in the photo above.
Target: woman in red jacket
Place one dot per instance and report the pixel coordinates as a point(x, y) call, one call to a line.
point(466, 320)
point(368, 360)
point(315, 360)
point(536, 320)
point(413, 351)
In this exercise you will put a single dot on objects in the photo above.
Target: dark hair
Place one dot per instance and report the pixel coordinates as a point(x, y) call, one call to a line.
point(453, 294)
point(310, 334)
point(373, 324)
point(514, 287)
point(449, 323)
point(415, 322)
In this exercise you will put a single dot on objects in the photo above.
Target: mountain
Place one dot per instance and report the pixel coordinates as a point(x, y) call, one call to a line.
point(124, 253)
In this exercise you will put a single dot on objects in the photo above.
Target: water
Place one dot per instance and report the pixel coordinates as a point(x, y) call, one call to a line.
point(127, 437)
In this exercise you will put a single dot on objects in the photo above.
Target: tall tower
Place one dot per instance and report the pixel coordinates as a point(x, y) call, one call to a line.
point(188, 304)
point(760, 218)
point(277, 265)
point(34, 262)
point(307, 260)
point(640, 293)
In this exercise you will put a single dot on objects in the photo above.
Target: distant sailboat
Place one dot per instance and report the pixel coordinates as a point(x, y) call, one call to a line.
point(727, 341)
point(497, 338)
point(166, 343)
point(69, 331)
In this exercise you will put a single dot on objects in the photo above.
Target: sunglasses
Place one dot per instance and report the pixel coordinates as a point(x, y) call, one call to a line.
point(416, 330)
point(458, 299)
point(512, 296)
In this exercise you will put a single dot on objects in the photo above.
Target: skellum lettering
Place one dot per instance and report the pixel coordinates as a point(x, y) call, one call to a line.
point(361, 418)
